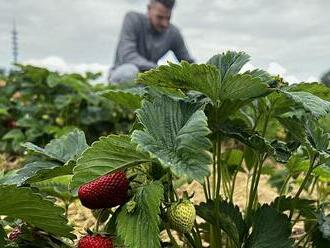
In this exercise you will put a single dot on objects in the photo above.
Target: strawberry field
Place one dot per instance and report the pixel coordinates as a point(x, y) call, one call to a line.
point(160, 162)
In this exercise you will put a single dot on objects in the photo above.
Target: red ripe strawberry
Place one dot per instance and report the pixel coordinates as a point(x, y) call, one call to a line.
point(10, 123)
point(15, 233)
point(97, 241)
point(105, 192)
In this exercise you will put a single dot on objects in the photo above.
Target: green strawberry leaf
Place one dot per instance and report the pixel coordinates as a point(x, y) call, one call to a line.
point(67, 147)
point(312, 104)
point(308, 132)
point(185, 76)
point(226, 216)
point(297, 164)
point(219, 80)
point(317, 89)
point(323, 172)
point(111, 153)
point(239, 130)
point(283, 107)
point(324, 227)
point(284, 203)
point(38, 171)
point(250, 157)
point(14, 134)
point(263, 75)
point(57, 187)
point(295, 127)
point(73, 81)
point(233, 159)
point(3, 236)
point(277, 179)
point(229, 63)
point(23, 204)
point(270, 229)
point(175, 133)
point(316, 136)
point(319, 241)
point(139, 227)
point(242, 87)
point(129, 98)
point(3, 111)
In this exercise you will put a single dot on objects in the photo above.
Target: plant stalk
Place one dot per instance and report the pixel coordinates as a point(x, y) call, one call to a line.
point(173, 241)
point(303, 184)
point(98, 219)
point(219, 171)
point(197, 236)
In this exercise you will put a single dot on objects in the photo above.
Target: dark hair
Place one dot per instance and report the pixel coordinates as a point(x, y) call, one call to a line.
point(168, 3)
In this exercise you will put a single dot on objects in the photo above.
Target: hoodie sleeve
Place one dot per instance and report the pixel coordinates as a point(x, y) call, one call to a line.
point(127, 47)
point(179, 47)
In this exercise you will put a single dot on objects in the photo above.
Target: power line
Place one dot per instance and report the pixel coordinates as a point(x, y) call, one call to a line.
point(15, 43)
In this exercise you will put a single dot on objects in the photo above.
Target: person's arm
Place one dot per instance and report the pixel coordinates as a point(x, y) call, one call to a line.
point(179, 47)
point(127, 47)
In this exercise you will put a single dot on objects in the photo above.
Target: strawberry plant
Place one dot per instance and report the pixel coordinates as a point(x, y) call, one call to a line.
point(204, 123)
point(37, 105)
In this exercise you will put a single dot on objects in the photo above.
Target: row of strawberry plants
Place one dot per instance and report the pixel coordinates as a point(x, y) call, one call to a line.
point(186, 113)
point(37, 105)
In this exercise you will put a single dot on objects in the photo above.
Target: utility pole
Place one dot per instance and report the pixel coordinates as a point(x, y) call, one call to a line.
point(14, 43)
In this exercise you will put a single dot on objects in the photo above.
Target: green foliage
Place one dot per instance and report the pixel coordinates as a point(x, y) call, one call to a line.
point(233, 159)
point(324, 226)
point(242, 87)
point(57, 187)
point(309, 102)
point(284, 203)
point(316, 136)
point(297, 164)
point(238, 130)
point(316, 89)
point(139, 227)
point(185, 76)
point(3, 236)
point(319, 241)
point(40, 105)
point(129, 98)
point(225, 216)
point(22, 203)
point(175, 133)
point(219, 80)
point(110, 153)
point(321, 232)
point(63, 149)
point(323, 172)
point(204, 122)
point(38, 171)
point(277, 179)
point(61, 154)
point(269, 229)
point(229, 63)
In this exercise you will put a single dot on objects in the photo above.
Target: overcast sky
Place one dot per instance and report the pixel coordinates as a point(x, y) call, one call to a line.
point(287, 37)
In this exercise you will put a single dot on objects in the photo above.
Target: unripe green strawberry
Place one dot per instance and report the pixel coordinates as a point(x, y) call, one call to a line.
point(105, 192)
point(182, 215)
point(96, 241)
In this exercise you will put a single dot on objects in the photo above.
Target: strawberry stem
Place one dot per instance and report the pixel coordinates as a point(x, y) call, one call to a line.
point(99, 216)
point(173, 241)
